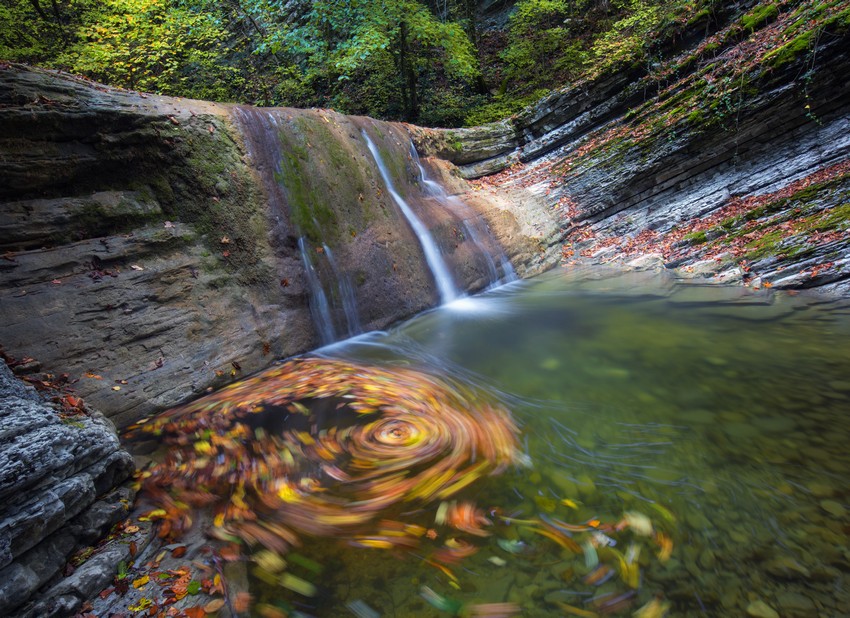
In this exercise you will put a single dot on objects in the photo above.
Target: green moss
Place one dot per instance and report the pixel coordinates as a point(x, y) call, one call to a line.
point(834, 218)
point(791, 50)
point(767, 244)
point(759, 16)
point(696, 238)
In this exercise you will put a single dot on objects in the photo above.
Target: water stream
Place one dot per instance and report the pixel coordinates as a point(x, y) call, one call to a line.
point(473, 224)
point(320, 308)
point(442, 275)
point(717, 413)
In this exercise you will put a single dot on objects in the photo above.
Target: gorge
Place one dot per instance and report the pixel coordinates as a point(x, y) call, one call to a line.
point(156, 249)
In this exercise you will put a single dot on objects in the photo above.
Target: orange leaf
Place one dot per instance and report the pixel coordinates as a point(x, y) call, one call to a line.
point(194, 612)
point(179, 552)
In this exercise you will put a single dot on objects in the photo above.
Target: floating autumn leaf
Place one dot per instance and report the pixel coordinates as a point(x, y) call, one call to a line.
point(116, 388)
point(136, 267)
point(241, 602)
point(195, 612)
point(225, 240)
point(94, 376)
point(153, 515)
point(380, 436)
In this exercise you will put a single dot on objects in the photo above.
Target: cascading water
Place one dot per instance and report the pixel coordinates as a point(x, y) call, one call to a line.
point(346, 292)
point(319, 306)
point(473, 224)
point(334, 205)
point(442, 276)
point(263, 128)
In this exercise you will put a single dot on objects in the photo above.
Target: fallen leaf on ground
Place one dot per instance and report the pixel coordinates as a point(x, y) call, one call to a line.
point(214, 605)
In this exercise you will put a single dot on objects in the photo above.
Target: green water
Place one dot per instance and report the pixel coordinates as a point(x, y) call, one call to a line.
point(719, 413)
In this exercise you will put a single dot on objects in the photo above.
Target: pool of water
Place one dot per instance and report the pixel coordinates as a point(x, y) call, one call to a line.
point(719, 414)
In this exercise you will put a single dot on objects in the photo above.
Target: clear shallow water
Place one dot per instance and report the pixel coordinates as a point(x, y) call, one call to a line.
point(720, 414)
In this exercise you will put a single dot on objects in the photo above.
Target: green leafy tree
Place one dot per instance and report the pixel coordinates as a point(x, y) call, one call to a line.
point(147, 45)
point(346, 39)
point(36, 31)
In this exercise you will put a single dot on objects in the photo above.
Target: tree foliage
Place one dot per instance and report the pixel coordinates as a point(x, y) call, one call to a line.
point(427, 61)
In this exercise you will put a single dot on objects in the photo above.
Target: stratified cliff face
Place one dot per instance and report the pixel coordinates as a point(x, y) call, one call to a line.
point(59, 468)
point(730, 158)
point(154, 247)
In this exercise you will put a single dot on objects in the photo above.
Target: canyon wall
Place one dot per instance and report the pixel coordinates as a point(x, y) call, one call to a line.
point(726, 159)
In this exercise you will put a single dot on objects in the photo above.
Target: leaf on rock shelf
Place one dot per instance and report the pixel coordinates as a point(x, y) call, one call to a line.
point(179, 552)
point(138, 583)
point(143, 604)
point(214, 605)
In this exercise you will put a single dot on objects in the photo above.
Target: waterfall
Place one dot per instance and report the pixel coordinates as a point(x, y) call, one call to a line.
point(347, 297)
point(319, 307)
point(442, 276)
point(474, 225)
point(334, 200)
point(331, 290)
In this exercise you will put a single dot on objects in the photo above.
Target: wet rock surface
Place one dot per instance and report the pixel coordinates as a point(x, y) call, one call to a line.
point(151, 252)
point(59, 486)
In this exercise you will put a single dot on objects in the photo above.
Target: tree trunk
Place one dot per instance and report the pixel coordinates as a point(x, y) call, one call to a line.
point(409, 98)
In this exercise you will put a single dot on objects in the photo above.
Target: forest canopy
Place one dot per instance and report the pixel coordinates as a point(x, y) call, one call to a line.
point(434, 62)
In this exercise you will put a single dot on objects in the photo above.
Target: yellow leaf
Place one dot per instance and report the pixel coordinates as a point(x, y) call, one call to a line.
point(155, 514)
point(138, 583)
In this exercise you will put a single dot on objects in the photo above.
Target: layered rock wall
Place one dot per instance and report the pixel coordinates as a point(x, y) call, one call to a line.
point(58, 486)
point(725, 158)
point(146, 253)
